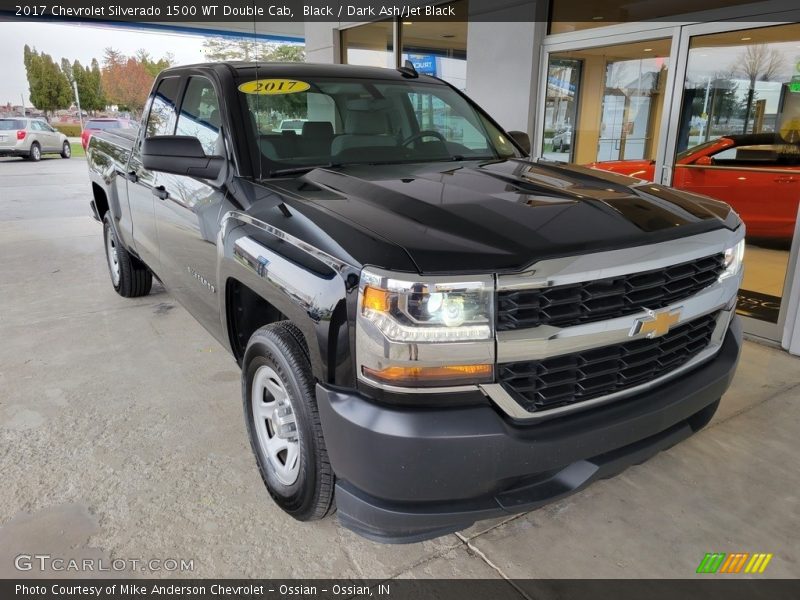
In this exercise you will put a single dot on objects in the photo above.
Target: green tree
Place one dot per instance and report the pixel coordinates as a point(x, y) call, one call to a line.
point(48, 86)
point(94, 84)
point(154, 67)
point(246, 49)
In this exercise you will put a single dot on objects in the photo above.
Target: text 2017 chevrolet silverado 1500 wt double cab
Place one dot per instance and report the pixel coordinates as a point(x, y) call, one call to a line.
point(432, 329)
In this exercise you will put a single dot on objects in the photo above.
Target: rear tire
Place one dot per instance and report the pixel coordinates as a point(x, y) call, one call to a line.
point(129, 276)
point(35, 153)
point(66, 150)
point(283, 424)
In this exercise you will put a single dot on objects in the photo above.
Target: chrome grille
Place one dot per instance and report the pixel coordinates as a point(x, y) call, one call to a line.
point(569, 379)
point(602, 299)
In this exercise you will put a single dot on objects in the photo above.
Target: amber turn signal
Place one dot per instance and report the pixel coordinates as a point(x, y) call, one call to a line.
point(375, 299)
point(428, 376)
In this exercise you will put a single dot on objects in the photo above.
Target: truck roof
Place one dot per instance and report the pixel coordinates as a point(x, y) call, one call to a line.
point(297, 69)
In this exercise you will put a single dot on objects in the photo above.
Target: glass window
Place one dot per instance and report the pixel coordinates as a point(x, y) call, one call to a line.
point(161, 119)
point(100, 124)
point(200, 116)
point(438, 48)
point(739, 142)
point(371, 45)
point(9, 124)
point(350, 121)
point(605, 104)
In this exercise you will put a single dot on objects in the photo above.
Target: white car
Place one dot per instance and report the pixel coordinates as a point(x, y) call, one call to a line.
point(30, 138)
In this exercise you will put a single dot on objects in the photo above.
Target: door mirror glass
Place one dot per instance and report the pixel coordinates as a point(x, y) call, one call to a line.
point(522, 140)
point(180, 155)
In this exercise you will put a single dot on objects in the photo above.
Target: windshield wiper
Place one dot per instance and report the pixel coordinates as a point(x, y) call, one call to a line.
point(301, 169)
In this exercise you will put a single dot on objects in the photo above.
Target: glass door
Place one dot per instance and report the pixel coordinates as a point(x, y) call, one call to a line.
point(605, 104)
point(736, 137)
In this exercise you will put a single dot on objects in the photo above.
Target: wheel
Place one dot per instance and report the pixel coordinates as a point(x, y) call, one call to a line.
point(66, 150)
point(36, 152)
point(129, 276)
point(283, 424)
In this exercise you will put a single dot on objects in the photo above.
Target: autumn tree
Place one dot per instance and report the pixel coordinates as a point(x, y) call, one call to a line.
point(126, 80)
point(48, 87)
point(249, 49)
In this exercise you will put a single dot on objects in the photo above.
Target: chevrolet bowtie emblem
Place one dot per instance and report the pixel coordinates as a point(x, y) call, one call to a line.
point(656, 323)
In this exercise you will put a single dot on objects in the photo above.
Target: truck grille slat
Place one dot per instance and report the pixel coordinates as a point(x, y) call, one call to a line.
point(574, 304)
point(573, 378)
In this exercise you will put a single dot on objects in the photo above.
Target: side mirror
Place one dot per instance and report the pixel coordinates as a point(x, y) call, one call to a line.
point(704, 161)
point(181, 155)
point(522, 140)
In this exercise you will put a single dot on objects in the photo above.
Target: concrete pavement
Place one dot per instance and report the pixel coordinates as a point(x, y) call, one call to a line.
point(122, 437)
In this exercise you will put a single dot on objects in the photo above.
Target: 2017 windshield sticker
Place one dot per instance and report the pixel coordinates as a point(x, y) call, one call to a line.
point(272, 87)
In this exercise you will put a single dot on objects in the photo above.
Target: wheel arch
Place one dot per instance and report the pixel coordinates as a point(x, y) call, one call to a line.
point(264, 279)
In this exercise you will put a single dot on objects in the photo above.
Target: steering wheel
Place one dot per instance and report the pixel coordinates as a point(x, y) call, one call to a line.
point(423, 134)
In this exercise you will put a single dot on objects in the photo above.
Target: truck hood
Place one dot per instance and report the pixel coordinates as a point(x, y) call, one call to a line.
point(503, 215)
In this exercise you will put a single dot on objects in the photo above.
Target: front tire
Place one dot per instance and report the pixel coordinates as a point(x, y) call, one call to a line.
point(66, 150)
point(129, 276)
point(283, 424)
point(35, 153)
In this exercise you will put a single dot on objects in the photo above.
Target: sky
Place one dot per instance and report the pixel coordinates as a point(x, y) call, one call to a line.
point(81, 42)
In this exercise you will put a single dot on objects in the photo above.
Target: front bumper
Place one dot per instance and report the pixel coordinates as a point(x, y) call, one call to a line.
point(408, 474)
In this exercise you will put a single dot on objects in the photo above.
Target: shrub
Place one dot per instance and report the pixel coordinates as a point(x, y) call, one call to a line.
point(68, 129)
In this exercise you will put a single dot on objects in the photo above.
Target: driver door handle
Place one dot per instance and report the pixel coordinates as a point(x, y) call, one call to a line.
point(160, 192)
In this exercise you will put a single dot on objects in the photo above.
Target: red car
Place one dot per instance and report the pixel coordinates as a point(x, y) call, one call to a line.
point(757, 174)
point(93, 125)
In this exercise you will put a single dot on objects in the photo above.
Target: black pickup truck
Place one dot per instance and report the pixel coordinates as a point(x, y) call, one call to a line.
point(432, 328)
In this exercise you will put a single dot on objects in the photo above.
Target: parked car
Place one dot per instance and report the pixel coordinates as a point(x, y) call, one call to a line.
point(757, 174)
point(562, 139)
point(31, 138)
point(101, 124)
point(295, 125)
point(429, 333)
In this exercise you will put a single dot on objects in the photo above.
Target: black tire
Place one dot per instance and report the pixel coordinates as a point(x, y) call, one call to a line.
point(278, 348)
point(35, 153)
point(66, 150)
point(133, 278)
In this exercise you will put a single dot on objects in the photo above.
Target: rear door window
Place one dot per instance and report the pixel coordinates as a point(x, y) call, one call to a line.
point(162, 117)
point(200, 117)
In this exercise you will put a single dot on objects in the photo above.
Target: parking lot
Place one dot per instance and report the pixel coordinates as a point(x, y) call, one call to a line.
point(122, 437)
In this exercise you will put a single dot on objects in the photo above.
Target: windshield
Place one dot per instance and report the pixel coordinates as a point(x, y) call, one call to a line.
point(9, 124)
point(695, 149)
point(298, 124)
point(103, 125)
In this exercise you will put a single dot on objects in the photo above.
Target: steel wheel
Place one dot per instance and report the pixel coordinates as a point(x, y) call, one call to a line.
point(113, 257)
point(273, 416)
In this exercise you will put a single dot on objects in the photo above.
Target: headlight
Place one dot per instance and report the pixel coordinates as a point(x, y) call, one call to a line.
point(733, 260)
point(425, 331)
